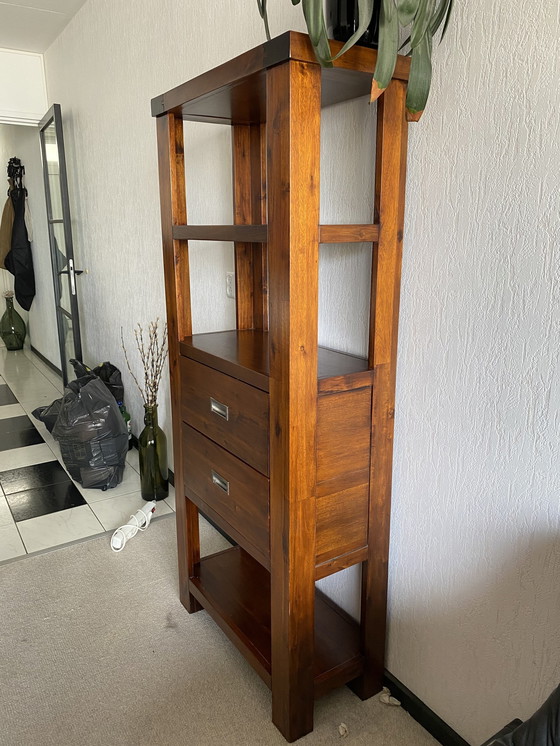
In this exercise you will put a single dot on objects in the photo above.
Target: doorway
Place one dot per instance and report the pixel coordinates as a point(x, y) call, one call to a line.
point(53, 329)
point(60, 239)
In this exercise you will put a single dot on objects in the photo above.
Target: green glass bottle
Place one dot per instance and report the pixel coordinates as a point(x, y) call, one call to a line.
point(126, 418)
point(152, 448)
point(12, 327)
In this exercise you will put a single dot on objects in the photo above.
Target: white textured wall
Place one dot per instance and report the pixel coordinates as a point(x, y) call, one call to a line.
point(41, 320)
point(6, 152)
point(475, 560)
point(23, 94)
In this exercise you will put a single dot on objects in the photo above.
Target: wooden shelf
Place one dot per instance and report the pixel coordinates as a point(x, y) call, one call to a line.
point(235, 590)
point(244, 355)
point(235, 92)
point(344, 233)
point(348, 233)
point(242, 233)
point(292, 452)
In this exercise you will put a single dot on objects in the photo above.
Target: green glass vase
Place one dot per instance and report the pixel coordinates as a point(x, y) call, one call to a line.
point(152, 448)
point(12, 327)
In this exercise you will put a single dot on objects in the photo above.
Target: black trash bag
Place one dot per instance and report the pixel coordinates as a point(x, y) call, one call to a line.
point(92, 434)
point(111, 377)
point(542, 728)
point(49, 414)
point(80, 369)
point(109, 374)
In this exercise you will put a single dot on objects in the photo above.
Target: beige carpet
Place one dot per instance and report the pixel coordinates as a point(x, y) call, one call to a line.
point(96, 650)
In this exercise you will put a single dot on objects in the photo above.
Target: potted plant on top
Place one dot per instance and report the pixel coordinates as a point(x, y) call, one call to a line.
point(421, 18)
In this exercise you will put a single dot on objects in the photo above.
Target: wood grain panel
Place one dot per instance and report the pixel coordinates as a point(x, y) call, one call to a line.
point(245, 505)
point(244, 430)
point(344, 480)
point(342, 523)
point(263, 558)
point(345, 382)
point(348, 233)
point(220, 232)
point(178, 303)
point(243, 215)
point(249, 207)
point(343, 434)
point(329, 567)
point(386, 276)
point(293, 97)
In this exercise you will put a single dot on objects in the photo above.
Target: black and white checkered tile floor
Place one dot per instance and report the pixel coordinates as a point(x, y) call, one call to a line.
point(40, 506)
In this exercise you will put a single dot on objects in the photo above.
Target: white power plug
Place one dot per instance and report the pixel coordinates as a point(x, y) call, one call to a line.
point(137, 522)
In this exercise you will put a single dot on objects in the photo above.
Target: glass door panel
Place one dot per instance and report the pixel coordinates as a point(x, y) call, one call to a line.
point(60, 237)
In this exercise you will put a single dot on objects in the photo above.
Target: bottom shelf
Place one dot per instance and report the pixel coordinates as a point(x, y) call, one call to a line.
point(235, 590)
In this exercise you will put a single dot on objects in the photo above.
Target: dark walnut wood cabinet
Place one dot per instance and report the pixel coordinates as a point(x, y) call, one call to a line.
point(285, 445)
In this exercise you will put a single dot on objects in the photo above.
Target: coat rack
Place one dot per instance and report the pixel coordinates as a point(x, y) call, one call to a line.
point(15, 247)
point(16, 172)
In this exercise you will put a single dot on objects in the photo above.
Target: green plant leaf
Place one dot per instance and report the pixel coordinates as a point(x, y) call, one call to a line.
point(406, 10)
point(317, 29)
point(365, 12)
point(420, 78)
point(403, 45)
point(441, 15)
point(264, 15)
point(447, 17)
point(390, 9)
point(313, 12)
point(421, 22)
point(387, 49)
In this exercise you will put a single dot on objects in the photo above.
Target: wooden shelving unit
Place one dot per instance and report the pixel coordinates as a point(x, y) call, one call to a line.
point(287, 446)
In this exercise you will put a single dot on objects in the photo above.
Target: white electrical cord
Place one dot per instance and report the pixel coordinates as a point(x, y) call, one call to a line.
point(137, 522)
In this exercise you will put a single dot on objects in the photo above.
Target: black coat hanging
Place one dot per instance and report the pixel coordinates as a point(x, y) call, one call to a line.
point(19, 260)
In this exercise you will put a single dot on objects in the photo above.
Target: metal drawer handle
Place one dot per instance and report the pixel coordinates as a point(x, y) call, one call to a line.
point(218, 408)
point(220, 482)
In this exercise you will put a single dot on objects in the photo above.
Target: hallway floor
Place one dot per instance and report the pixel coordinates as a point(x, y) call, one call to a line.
point(40, 506)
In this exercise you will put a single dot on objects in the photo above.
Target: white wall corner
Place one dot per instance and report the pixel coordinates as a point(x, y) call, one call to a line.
point(23, 91)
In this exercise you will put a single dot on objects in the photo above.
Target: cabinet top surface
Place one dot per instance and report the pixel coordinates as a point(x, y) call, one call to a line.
point(235, 92)
point(244, 355)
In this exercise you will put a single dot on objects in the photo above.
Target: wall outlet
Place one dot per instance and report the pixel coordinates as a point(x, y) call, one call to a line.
point(230, 284)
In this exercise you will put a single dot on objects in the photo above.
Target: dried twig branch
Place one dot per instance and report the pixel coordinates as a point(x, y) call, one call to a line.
point(153, 354)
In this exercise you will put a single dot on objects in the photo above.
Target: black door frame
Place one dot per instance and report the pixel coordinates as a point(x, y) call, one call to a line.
point(54, 115)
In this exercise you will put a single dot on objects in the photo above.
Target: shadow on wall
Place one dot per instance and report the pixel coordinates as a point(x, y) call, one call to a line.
point(509, 620)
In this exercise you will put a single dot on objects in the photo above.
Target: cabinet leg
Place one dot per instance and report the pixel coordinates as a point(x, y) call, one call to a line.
point(373, 625)
point(368, 684)
point(189, 601)
point(188, 544)
point(291, 713)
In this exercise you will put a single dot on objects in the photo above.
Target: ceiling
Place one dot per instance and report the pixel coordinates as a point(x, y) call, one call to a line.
point(32, 25)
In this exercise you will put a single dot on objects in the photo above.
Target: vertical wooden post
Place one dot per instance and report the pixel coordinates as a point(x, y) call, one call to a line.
point(386, 278)
point(178, 302)
point(249, 203)
point(293, 101)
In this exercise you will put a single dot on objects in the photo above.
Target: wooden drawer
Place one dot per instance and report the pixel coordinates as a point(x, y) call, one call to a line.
point(229, 412)
point(226, 488)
